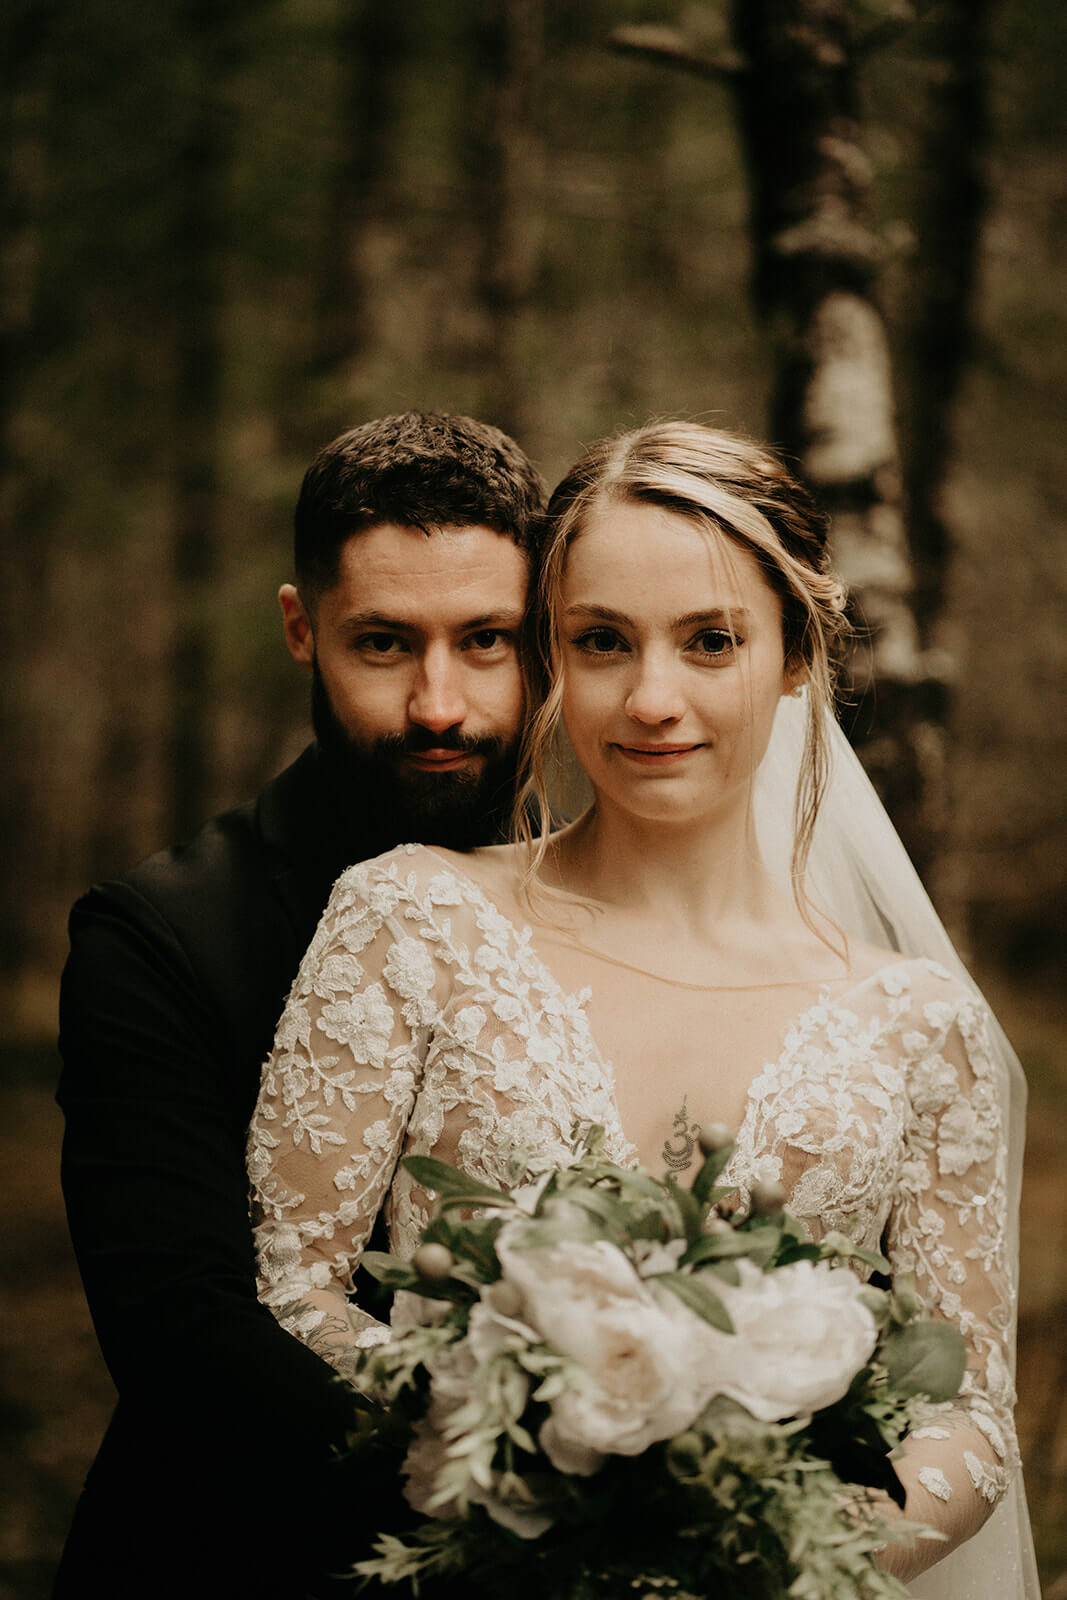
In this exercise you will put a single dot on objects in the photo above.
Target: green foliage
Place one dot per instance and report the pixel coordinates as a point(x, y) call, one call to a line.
point(729, 1506)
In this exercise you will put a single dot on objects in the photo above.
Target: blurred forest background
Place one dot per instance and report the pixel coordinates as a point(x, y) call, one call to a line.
point(232, 228)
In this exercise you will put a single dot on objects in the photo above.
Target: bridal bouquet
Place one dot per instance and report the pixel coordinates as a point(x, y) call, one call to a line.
point(613, 1384)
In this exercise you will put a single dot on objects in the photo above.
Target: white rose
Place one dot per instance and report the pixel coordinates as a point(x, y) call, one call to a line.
point(801, 1333)
point(647, 1363)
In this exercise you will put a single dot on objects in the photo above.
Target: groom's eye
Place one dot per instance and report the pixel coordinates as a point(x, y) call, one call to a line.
point(379, 644)
point(489, 639)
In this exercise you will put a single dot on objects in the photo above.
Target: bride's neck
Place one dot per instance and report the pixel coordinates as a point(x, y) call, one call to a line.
point(697, 877)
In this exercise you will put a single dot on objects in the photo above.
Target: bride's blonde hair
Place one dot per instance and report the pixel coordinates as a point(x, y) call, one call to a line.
point(738, 493)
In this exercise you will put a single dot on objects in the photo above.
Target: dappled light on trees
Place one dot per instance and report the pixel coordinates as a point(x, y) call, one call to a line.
point(232, 231)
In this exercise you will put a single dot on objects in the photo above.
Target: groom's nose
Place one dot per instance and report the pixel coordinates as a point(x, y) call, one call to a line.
point(438, 700)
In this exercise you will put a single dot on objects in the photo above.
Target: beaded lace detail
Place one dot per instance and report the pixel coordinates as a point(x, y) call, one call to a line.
point(422, 1021)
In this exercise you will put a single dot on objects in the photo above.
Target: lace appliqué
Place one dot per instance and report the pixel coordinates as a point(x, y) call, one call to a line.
point(422, 1021)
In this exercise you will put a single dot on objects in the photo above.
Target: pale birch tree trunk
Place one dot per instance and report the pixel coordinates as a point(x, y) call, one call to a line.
point(815, 265)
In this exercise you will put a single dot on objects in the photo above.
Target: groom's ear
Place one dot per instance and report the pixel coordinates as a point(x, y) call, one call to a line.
point(296, 625)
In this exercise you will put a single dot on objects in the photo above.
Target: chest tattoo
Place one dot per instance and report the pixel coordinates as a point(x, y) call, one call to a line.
point(678, 1150)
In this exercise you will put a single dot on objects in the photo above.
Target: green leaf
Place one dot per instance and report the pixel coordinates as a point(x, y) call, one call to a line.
point(698, 1295)
point(790, 1250)
point(452, 1185)
point(689, 1209)
point(839, 1244)
point(926, 1357)
point(761, 1242)
point(542, 1232)
point(719, 1247)
point(703, 1186)
point(390, 1270)
point(725, 1271)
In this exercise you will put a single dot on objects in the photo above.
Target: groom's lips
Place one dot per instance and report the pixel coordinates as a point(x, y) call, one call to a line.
point(439, 760)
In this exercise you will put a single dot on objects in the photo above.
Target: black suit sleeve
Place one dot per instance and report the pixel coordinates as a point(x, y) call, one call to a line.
point(224, 1402)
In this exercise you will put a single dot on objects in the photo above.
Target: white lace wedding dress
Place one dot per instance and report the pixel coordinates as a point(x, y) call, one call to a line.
point(424, 1021)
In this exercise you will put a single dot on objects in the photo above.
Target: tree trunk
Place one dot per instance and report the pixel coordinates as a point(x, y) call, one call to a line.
point(816, 260)
point(506, 166)
point(200, 245)
point(935, 346)
point(936, 340)
point(372, 42)
point(24, 100)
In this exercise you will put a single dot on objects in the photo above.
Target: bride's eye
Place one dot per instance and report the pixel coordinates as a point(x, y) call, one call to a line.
point(599, 641)
point(718, 643)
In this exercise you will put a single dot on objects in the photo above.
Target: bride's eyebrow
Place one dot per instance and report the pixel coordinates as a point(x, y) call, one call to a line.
point(717, 617)
point(720, 615)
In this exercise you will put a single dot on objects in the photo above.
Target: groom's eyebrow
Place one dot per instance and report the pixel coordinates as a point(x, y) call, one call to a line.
point(358, 621)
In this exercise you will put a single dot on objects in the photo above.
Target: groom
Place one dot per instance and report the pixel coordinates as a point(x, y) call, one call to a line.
point(217, 1475)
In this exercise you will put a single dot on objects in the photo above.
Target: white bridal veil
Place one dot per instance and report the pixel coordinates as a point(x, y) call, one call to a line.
point(860, 874)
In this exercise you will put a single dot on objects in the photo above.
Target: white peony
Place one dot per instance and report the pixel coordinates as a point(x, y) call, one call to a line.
point(646, 1363)
point(801, 1333)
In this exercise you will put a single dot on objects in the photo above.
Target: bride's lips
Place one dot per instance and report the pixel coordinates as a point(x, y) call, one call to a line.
point(657, 755)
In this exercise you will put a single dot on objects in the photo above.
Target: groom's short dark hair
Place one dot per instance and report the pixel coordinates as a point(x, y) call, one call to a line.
point(419, 469)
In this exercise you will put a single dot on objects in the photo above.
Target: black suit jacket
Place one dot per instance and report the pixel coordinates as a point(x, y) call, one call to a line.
point(218, 1473)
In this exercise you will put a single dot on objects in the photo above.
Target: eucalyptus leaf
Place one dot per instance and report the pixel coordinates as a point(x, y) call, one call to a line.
point(926, 1357)
point(703, 1187)
point(451, 1184)
point(839, 1244)
point(761, 1244)
point(698, 1295)
point(716, 1247)
point(791, 1249)
point(727, 1271)
point(690, 1211)
point(542, 1232)
point(387, 1269)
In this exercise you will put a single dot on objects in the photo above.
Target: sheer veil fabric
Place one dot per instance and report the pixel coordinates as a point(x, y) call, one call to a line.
point(860, 875)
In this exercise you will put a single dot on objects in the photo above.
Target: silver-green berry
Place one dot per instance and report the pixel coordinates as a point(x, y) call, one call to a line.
point(505, 1298)
point(714, 1136)
point(768, 1197)
point(434, 1262)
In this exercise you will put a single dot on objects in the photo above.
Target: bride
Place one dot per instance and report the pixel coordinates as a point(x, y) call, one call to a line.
point(701, 945)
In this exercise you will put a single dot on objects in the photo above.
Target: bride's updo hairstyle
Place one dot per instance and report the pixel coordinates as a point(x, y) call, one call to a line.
point(739, 494)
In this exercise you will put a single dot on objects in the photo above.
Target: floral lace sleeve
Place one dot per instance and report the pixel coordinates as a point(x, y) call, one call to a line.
point(336, 1095)
point(948, 1225)
point(420, 1022)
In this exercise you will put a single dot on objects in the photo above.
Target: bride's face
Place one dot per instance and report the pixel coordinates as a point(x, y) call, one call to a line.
point(673, 663)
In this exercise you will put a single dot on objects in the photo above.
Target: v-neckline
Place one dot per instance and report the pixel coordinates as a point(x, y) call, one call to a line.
point(575, 1001)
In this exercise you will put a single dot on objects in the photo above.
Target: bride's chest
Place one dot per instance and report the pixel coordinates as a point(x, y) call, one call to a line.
point(814, 1091)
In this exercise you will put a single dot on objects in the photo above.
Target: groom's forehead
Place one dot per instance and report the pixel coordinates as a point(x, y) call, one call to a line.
point(454, 569)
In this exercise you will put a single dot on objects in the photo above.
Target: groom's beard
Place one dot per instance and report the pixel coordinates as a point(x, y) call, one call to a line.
point(394, 804)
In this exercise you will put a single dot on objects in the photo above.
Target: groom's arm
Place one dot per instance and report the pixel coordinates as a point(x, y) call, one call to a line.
point(156, 1191)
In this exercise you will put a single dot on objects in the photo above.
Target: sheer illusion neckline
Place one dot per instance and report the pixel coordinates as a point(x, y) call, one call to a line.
point(579, 995)
point(821, 985)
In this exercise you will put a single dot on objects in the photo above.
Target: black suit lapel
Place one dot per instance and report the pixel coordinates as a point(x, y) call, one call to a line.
point(300, 820)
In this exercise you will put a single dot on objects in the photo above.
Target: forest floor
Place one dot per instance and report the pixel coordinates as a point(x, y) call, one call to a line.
point(55, 1394)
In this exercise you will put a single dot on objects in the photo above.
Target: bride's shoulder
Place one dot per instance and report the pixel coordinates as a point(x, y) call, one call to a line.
point(432, 874)
point(915, 982)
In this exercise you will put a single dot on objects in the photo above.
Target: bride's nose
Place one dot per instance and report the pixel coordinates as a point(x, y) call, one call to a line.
point(654, 693)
